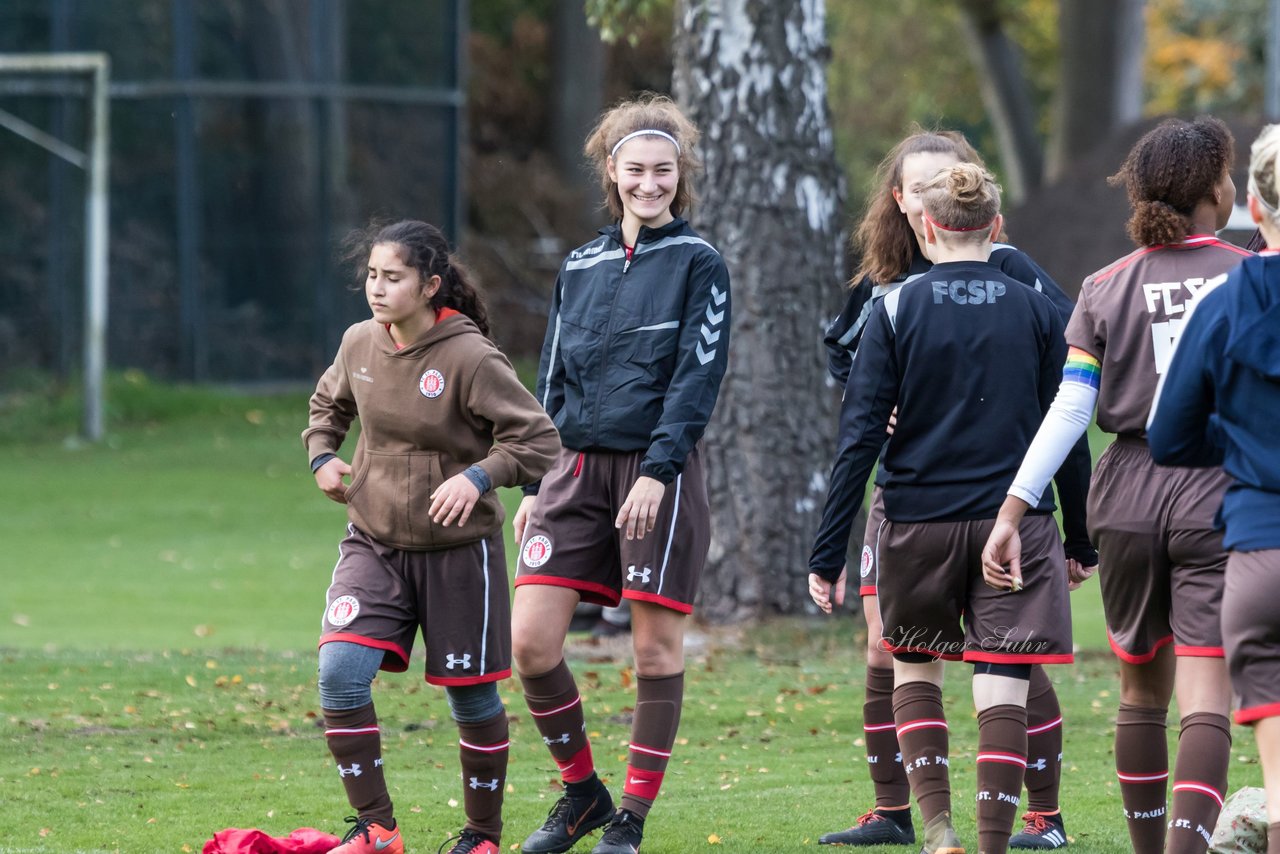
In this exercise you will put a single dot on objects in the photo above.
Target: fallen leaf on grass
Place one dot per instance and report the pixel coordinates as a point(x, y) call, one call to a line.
point(713, 839)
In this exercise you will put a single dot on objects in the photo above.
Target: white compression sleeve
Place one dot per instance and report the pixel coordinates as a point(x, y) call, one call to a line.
point(1063, 425)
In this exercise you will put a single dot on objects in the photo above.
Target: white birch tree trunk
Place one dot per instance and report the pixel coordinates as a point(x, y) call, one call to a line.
point(752, 75)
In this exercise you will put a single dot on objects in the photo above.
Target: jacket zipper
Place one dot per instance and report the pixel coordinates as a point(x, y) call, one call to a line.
point(608, 342)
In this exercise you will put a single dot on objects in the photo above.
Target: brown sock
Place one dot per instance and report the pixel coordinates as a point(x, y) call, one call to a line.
point(1273, 838)
point(356, 744)
point(1199, 782)
point(922, 733)
point(556, 707)
point(1002, 763)
point(1044, 744)
point(1142, 764)
point(482, 752)
point(653, 733)
point(880, 734)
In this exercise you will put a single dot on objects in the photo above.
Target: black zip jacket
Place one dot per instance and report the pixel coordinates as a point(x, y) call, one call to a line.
point(973, 359)
point(636, 348)
point(845, 331)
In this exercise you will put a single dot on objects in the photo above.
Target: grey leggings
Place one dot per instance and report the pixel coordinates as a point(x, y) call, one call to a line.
point(346, 677)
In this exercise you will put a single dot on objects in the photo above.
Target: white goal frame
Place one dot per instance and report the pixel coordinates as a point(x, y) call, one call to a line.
point(97, 67)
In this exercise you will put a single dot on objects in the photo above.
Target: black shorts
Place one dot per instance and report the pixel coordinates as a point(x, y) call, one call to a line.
point(571, 541)
point(380, 596)
point(933, 598)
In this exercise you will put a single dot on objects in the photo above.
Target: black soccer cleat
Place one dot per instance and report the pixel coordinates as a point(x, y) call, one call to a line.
point(873, 828)
point(570, 819)
point(1040, 831)
point(622, 836)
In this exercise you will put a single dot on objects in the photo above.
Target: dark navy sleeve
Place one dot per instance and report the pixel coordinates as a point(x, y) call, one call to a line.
point(869, 398)
point(1017, 264)
point(1181, 429)
point(845, 331)
point(703, 354)
point(550, 386)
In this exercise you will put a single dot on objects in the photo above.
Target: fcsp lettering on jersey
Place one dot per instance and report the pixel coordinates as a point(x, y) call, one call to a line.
point(973, 292)
point(1170, 296)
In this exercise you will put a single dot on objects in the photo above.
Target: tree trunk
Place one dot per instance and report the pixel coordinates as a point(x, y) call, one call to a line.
point(1006, 95)
point(1101, 89)
point(577, 97)
point(752, 75)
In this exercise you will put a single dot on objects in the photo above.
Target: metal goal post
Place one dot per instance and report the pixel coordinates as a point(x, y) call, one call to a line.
point(97, 68)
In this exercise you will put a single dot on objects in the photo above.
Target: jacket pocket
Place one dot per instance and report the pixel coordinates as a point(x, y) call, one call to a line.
point(390, 495)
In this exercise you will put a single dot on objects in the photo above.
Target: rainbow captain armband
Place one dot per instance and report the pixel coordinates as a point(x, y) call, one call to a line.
point(1082, 368)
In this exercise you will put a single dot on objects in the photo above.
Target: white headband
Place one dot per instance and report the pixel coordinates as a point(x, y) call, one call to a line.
point(1253, 191)
point(645, 132)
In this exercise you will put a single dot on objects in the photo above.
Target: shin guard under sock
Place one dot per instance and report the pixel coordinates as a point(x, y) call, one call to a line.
point(1002, 763)
point(1044, 744)
point(1142, 765)
point(880, 734)
point(556, 706)
point(653, 733)
point(482, 751)
point(1199, 782)
point(356, 744)
point(923, 737)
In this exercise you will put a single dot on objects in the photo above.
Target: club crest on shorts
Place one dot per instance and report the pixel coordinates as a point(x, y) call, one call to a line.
point(343, 610)
point(537, 551)
point(431, 384)
point(868, 560)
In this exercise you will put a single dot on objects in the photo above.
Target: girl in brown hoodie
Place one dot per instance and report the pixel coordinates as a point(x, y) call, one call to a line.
point(444, 421)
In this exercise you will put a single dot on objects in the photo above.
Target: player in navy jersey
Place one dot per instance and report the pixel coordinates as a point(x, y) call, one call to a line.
point(1219, 404)
point(890, 240)
point(970, 359)
point(1162, 559)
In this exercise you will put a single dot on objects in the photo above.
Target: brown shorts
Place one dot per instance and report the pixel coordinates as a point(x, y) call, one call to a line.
point(381, 595)
point(871, 536)
point(571, 541)
point(1162, 561)
point(931, 579)
point(1251, 633)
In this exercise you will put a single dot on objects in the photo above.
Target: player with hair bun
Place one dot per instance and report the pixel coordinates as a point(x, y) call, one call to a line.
point(1219, 404)
point(958, 438)
point(1162, 560)
point(890, 240)
point(635, 349)
point(444, 421)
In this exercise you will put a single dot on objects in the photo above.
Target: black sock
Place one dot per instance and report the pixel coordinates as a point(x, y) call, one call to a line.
point(583, 788)
point(901, 817)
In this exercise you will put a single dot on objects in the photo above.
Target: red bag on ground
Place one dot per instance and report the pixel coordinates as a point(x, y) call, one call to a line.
point(304, 840)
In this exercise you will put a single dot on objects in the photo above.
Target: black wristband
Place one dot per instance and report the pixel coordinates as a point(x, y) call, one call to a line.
point(321, 460)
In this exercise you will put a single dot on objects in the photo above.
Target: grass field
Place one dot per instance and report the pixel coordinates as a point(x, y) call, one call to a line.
point(162, 596)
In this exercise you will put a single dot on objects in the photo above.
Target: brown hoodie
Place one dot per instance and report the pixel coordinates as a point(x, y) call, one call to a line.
point(427, 412)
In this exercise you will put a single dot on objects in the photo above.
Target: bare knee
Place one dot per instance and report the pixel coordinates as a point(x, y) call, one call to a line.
point(539, 623)
point(877, 655)
point(1148, 685)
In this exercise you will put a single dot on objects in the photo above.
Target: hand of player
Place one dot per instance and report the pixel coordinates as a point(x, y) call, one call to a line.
point(329, 478)
point(1003, 548)
point(820, 590)
point(639, 512)
point(1078, 573)
point(521, 518)
point(453, 499)
point(893, 421)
